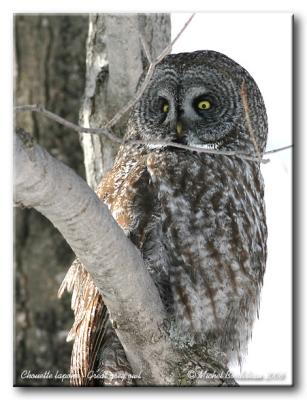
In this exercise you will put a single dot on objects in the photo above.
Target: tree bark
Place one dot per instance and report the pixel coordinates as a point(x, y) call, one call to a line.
point(115, 60)
point(49, 70)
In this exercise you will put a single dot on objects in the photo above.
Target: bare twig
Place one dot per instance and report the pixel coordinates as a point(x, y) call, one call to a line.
point(182, 29)
point(161, 143)
point(146, 49)
point(42, 110)
point(197, 149)
point(131, 103)
point(279, 149)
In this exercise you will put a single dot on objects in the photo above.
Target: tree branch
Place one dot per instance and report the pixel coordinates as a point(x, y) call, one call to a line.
point(115, 265)
point(146, 49)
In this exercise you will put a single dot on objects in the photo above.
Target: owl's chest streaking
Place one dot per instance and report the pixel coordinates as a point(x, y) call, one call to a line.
point(214, 233)
point(199, 222)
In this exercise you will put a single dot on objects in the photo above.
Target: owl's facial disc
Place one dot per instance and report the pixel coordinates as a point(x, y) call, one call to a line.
point(197, 107)
point(198, 113)
point(196, 99)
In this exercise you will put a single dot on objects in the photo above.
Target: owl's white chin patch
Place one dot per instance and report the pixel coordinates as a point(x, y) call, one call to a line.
point(156, 146)
point(207, 146)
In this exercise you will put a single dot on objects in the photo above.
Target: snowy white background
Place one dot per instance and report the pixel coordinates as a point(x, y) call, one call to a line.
point(261, 43)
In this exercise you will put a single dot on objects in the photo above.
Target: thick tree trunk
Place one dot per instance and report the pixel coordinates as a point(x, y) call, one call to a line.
point(115, 61)
point(50, 70)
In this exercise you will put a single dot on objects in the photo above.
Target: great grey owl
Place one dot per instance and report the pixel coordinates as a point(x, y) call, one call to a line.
point(198, 218)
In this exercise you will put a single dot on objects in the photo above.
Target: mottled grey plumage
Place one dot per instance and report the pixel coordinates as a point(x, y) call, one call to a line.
point(197, 218)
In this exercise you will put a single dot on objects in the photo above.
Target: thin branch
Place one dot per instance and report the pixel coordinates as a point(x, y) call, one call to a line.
point(183, 29)
point(131, 103)
point(279, 149)
point(197, 149)
point(80, 129)
point(161, 143)
point(146, 49)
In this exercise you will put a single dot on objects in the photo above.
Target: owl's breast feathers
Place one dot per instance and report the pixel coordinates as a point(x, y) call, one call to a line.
point(214, 232)
point(199, 222)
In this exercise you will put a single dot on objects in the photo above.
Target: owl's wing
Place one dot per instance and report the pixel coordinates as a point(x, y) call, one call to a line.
point(96, 347)
point(90, 321)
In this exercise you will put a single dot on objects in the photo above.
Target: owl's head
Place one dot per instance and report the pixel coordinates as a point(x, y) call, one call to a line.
point(197, 99)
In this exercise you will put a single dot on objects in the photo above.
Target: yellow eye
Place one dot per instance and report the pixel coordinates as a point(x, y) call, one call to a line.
point(204, 105)
point(165, 107)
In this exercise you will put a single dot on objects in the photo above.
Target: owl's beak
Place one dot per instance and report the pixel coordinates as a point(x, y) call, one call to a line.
point(179, 128)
